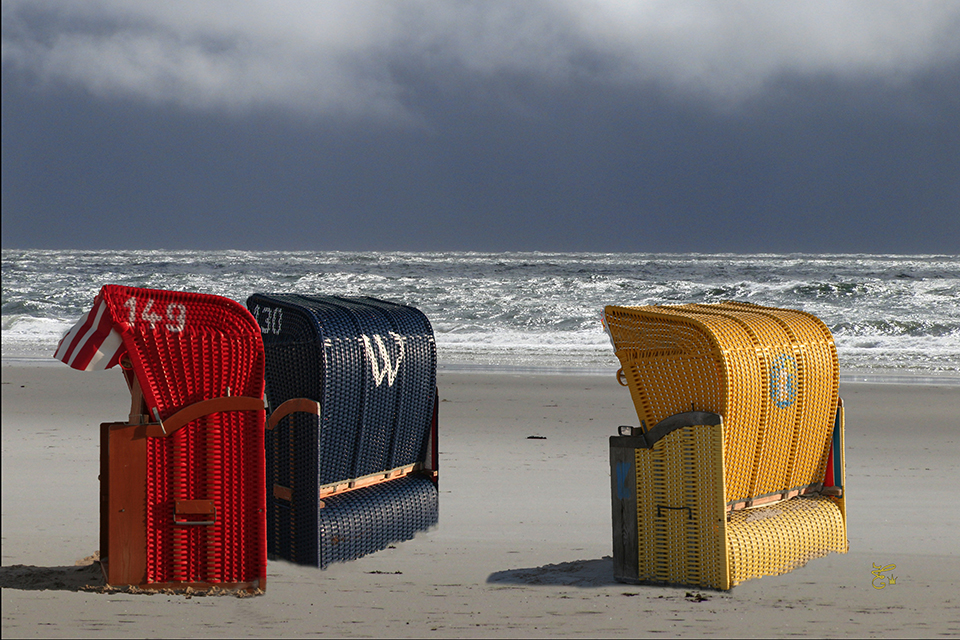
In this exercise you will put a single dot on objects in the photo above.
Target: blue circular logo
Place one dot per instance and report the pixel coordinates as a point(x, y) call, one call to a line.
point(783, 380)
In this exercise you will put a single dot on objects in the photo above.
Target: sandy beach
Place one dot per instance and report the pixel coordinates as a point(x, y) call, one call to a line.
point(523, 544)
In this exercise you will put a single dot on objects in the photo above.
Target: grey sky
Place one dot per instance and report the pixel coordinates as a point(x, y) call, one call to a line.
point(674, 126)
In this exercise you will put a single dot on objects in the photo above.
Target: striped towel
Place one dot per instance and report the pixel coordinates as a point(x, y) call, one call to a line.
point(93, 344)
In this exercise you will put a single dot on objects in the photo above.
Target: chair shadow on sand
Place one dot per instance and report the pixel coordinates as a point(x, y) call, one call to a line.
point(579, 573)
point(83, 576)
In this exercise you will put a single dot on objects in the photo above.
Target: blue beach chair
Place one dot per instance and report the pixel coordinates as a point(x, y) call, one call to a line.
point(351, 439)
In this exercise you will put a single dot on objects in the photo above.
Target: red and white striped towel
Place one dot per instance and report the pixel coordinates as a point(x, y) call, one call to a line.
point(93, 344)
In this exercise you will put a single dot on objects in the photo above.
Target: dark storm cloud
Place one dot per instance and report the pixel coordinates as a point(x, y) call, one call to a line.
point(324, 57)
point(667, 126)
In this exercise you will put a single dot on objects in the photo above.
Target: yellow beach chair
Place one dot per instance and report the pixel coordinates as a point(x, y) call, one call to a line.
point(737, 469)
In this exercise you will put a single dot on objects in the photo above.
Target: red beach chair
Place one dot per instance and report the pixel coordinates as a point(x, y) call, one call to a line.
point(182, 498)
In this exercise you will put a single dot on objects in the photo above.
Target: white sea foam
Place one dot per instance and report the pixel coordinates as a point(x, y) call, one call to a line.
point(892, 315)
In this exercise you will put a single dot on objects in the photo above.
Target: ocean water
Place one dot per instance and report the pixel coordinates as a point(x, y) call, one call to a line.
point(891, 316)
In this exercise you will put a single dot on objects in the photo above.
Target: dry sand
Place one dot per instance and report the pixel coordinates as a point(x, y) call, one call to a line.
point(523, 544)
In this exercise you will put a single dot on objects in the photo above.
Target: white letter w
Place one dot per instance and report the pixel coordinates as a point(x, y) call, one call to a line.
point(388, 371)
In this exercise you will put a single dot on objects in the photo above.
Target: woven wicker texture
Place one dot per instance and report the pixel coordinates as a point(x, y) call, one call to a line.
point(185, 348)
point(680, 509)
point(771, 373)
point(686, 536)
point(371, 365)
point(368, 519)
point(768, 541)
point(292, 461)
